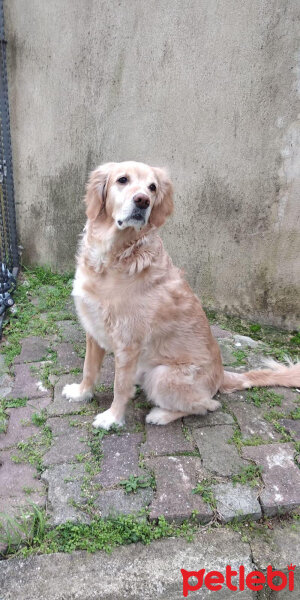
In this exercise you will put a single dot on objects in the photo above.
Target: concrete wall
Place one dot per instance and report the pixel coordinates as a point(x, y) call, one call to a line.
point(206, 87)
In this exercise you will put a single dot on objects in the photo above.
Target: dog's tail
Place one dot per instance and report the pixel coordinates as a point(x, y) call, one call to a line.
point(275, 374)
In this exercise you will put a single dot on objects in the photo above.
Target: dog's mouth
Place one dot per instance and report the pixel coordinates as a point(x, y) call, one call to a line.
point(136, 216)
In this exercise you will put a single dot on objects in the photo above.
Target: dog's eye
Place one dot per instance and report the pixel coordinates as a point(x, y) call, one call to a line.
point(123, 180)
point(152, 187)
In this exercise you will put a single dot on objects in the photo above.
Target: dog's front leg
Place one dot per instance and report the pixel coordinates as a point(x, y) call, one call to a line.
point(125, 370)
point(92, 364)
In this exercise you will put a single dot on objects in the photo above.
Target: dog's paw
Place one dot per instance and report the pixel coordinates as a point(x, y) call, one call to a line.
point(72, 392)
point(106, 419)
point(213, 405)
point(159, 416)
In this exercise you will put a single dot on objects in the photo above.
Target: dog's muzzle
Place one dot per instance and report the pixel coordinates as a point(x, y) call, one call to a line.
point(141, 203)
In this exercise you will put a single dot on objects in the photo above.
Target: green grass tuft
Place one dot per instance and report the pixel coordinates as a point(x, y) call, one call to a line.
point(249, 475)
point(52, 290)
point(204, 489)
point(261, 396)
point(134, 483)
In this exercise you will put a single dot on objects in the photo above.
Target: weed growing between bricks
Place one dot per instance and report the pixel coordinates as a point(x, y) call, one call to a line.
point(29, 533)
point(250, 475)
point(134, 483)
point(204, 489)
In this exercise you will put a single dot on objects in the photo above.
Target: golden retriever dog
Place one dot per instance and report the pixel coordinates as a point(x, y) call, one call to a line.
point(132, 300)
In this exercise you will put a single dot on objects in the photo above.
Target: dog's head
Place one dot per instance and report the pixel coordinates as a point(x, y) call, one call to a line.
point(131, 194)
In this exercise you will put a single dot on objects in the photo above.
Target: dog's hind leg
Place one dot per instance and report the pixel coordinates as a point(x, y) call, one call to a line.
point(176, 394)
point(92, 365)
point(161, 416)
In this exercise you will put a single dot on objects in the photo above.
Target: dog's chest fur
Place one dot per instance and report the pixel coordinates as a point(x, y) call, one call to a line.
point(90, 312)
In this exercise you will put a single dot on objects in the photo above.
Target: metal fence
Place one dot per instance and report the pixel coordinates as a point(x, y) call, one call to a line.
point(9, 259)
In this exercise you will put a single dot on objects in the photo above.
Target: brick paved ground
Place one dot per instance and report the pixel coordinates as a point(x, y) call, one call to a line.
point(240, 461)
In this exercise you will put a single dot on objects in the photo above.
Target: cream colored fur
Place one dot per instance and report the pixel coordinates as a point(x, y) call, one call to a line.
point(132, 300)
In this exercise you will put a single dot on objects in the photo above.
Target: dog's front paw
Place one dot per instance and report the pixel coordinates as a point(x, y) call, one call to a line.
point(106, 419)
point(72, 392)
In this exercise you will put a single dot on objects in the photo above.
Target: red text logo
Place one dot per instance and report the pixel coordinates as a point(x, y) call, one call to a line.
point(236, 580)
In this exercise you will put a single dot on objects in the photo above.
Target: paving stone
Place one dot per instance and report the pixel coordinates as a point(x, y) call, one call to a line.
point(70, 424)
point(14, 478)
point(133, 572)
point(228, 357)
point(252, 423)
point(289, 401)
point(71, 332)
point(236, 502)
point(3, 366)
point(220, 333)
point(6, 385)
point(211, 418)
point(243, 341)
point(39, 403)
point(64, 488)
point(293, 427)
point(60, 404)
point(117, 502)
point(280, 475)
point(120, 458)
point(67, 443)
point(27, 383)
point(19, 426)
point(217, 454)
point(166, 440)
point(67, 358)
point(176, 477)
point(34, 349)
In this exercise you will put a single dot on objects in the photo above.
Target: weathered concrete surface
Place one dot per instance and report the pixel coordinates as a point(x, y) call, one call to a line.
point(120, 458)
point(251, 422)
point(176, 477)
point(16, 480)
point(208, 88)
point(129, 573)
point(27, 382)
point(236, 501)
point(33, 349)
point(280, 475)
point(211, 418)
point(167, 440)
point(116, 502)
point(279, 547)
point(217, 454)
point(64, 492)
point(19, 427)
point(68, 442)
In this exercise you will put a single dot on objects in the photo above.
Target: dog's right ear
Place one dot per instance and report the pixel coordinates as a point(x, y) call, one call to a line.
point(96, 191)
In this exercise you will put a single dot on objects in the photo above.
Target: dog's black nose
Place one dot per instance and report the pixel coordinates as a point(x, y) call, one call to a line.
point(141, 201)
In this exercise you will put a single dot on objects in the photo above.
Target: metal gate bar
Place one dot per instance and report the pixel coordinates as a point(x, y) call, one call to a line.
point(9, 257)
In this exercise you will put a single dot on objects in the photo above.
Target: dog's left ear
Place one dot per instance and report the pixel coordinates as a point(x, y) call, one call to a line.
point(96, 191)
point(163, 205)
